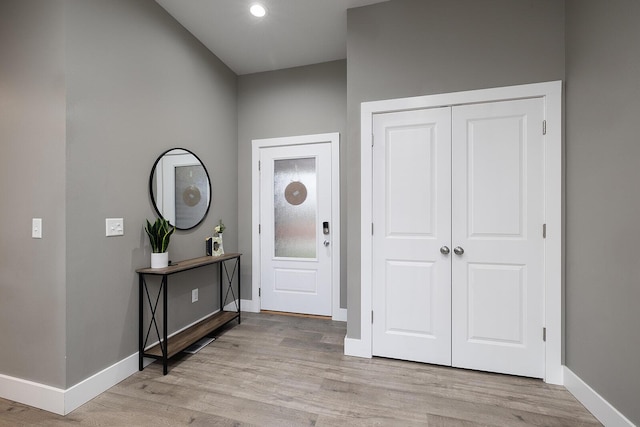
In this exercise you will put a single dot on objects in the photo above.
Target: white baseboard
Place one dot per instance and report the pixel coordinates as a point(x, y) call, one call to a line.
point(356, 347)
point(33, 394)
point(596, 404)
point(340, 315)
point(97, 384)
point(61, 401)
point(253, 306)
point(250, 306)
point(232, 306)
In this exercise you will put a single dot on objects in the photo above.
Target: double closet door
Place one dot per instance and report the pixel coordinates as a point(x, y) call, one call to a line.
point(458, 247)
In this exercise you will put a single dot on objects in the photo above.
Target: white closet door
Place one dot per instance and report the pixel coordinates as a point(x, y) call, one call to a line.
point(411, 223)
point(498, 216)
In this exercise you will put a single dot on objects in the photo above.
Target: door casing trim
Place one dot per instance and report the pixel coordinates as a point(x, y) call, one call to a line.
point(551, 93)
point(333, 138)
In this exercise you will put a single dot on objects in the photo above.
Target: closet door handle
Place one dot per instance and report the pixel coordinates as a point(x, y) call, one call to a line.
point(458, 250)
point(444, 250)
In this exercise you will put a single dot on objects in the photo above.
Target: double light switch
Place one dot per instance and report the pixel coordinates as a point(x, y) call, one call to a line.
point(115, 227)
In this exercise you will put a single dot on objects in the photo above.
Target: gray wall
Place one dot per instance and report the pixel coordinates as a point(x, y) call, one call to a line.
point(603, 202)
point(137, 84)
point(91, 93)
point(32, 184)
point(295, 101)
point(419, 47)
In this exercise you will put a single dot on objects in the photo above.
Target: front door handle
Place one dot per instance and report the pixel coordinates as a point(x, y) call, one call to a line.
point(326, 243)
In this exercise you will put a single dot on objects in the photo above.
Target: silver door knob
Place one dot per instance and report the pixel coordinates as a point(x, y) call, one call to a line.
point(458, 250)
point(326, 243)
point(444, 250)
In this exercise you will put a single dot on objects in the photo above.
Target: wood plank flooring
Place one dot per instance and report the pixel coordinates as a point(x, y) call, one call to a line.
point(275, 370)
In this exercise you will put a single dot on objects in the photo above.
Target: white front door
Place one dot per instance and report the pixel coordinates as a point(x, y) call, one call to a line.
point(467, 180)
point(296, 224)
point(412, 222)
point(498, 216)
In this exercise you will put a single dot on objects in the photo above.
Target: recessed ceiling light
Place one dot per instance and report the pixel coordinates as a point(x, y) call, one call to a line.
point(258, 10)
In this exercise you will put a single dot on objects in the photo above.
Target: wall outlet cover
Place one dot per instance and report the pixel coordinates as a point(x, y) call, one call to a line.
point(114, 227)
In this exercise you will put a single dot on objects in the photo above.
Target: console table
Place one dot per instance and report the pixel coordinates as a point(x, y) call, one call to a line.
point(170, 346)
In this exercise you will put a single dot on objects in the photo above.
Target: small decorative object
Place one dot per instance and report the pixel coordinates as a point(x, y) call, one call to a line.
point(191, 196)
point(217, 245)
point(219, 229)
point(295, 193)
point(208, 246)
point(159, 236)
point(216, 241)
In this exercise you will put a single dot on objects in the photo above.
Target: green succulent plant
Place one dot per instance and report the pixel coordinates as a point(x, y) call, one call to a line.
point(159, 234)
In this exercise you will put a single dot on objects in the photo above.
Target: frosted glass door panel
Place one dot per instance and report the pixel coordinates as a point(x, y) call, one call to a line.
point(295, 208)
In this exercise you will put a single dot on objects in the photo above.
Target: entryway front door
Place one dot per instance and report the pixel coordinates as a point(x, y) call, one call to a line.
point(296, 228)
point(458, 213)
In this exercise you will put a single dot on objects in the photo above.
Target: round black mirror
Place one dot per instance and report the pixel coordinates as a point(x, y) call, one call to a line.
point(180, 188)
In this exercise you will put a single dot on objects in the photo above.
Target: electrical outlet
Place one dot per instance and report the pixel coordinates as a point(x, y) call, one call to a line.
point(194, 295)
point(114, 227)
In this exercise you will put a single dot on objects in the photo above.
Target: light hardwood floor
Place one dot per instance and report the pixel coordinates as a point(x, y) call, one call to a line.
point(290, 371)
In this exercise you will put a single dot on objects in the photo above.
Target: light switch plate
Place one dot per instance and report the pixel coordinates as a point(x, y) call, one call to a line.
point(36, 228)
point(114, 227)
point(194, 295)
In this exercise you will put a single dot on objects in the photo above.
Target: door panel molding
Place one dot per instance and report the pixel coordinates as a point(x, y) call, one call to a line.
point(551, 94)
point(257, 144)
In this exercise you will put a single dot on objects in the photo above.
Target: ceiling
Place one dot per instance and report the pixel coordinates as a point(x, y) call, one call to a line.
point(293, 33)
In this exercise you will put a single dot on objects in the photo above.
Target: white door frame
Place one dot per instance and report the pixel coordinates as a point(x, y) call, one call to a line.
point(551, 93)
point(337, 313)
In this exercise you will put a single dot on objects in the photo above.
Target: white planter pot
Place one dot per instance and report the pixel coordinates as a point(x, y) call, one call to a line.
point(160, 260)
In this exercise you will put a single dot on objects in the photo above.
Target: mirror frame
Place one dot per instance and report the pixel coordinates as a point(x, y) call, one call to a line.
point(151, 190)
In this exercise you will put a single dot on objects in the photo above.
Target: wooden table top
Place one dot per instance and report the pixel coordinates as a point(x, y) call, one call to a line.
point(187, 264)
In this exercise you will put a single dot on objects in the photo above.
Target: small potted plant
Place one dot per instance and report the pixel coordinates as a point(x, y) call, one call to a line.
point(159, 236)
point(219, 229)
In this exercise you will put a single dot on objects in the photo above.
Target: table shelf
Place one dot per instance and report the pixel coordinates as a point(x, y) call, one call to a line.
point(184, 339)
point(168, 347)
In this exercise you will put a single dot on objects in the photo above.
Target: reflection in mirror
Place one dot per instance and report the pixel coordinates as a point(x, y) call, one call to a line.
point(180, 188)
